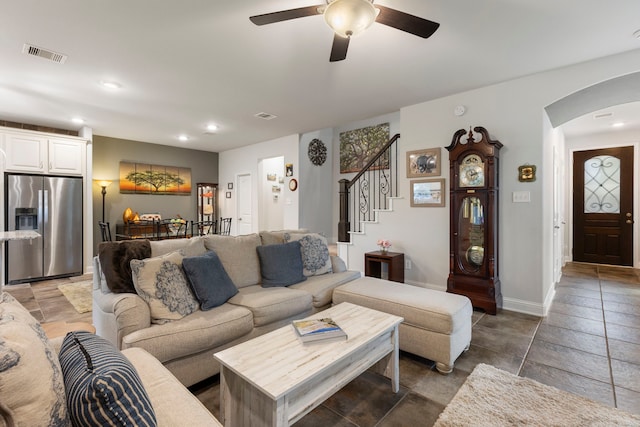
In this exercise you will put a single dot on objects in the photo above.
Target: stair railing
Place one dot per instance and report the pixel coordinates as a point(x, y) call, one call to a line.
point(369, 190)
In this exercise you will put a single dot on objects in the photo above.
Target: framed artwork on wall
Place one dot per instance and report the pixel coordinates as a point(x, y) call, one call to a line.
point(359, 146)
point(427, 193)
point(423, 163)
point(143, 178)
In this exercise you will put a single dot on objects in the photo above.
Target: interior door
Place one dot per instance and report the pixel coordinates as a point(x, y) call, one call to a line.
point(603, 206)
point(245, 195)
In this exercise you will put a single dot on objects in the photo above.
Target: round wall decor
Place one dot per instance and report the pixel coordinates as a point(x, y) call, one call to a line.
point(317, 152)
point(293, 184)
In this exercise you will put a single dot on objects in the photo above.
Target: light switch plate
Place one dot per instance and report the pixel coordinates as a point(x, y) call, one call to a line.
point(521, 197)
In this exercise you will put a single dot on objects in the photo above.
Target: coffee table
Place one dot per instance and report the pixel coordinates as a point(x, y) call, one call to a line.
point(275, 379)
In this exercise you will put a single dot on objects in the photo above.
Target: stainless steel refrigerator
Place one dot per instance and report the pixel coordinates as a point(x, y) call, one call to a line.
point(52, 206)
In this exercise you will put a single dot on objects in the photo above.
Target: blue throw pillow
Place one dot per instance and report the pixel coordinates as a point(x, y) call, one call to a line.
point(281, 265)
point(102, 386)
point(209, 280)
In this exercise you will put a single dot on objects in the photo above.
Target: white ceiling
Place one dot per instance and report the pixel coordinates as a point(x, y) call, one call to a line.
point(185, 64)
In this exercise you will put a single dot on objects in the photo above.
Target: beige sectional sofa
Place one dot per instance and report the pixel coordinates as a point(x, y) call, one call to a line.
point(186, 346)
point(34, 384)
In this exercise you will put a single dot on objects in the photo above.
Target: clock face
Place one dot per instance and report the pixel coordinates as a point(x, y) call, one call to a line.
point(472, 171)
point(317, 152)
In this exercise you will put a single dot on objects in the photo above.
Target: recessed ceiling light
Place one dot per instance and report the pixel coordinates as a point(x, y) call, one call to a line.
point(77, 120)
point(617, 125)
point(211, 127)
point(183, 138)
point(109, 84)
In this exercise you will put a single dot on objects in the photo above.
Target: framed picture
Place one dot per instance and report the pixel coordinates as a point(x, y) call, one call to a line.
point(526, 173)
point(229, 185)
point(228, 194)
point(271, 177)
point(143, 178)
point(423, 163)
point(288, 169)
point(427, 193)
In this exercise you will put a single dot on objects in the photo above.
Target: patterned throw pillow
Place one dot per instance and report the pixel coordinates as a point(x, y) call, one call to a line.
point(161, 282)
point(103, 387)
point(31, 383)
point(315, 253)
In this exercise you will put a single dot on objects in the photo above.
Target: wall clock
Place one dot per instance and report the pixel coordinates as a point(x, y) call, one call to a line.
point(473, 266)
point(293, 184)
point(317, 152)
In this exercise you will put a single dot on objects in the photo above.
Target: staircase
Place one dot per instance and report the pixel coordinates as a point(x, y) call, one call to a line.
point(370, 191)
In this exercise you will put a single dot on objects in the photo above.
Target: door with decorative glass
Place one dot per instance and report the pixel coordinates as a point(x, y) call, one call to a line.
point(603, 206)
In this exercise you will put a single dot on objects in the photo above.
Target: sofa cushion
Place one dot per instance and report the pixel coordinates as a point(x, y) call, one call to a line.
point(278, 236)
point(321, 287)
point(161, 282)
point(209, 281)
point(197, 332)
point(31, 383)
point(191, 247)
point(238, 255)
point(172, 402)
point(103, 387)
point(281, 265)
point(269, 305)
point(115, 260)
point(315, 253)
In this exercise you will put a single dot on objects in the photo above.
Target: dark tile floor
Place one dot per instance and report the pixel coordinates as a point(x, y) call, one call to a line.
point(589, 344)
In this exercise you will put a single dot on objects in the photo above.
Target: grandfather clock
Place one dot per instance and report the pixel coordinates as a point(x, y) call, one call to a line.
point(473, 259)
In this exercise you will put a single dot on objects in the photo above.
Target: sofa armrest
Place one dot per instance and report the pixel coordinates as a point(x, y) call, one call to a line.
point(337, 264)
point(117, 315)
point(172, 402)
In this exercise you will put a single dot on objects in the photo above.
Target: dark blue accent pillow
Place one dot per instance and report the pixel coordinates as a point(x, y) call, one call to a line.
point(209, 280)
point(102, 386)
point(281, 265)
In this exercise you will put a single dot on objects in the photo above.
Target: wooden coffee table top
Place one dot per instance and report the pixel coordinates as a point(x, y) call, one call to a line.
point(278, 361)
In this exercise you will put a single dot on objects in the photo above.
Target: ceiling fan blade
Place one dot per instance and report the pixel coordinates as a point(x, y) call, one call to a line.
point(339, 48)
point(405, 22)
point(285, 15)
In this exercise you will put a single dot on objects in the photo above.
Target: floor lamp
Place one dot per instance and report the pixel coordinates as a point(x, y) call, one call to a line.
point(103, 184)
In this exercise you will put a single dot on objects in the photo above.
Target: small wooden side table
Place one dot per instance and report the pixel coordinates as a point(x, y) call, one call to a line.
point(60, 329)
point(395, 261)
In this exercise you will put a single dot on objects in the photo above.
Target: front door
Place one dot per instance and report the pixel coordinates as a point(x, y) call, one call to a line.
point(603, 206)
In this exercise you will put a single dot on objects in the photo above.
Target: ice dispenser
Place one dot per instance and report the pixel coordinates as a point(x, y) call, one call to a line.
point(26, 218)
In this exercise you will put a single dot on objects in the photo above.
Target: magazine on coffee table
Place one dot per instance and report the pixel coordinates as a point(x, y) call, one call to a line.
point(318, 330)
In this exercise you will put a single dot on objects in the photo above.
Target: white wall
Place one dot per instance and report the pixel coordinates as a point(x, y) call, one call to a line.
point(513, 112)
point(316, 186)
point(245, 160)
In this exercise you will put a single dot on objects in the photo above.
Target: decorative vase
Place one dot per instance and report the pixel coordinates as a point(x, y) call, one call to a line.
point(383, 250)
point(126, 216)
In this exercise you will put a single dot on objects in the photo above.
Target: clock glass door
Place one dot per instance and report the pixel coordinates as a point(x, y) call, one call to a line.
point(471, 234)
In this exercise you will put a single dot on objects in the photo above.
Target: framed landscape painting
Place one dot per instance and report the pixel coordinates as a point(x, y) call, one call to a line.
point(427, 193)
point(142, 178)
point(359, 146)
point(423, 163)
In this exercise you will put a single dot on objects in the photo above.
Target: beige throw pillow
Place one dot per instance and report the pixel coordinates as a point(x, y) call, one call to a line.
point(31, 383)
point(161, 282)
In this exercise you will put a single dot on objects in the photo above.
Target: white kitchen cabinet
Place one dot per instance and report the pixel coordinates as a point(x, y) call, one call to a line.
point(40, 153)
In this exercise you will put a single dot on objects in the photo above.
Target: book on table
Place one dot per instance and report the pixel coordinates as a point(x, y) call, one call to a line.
point(318, 330)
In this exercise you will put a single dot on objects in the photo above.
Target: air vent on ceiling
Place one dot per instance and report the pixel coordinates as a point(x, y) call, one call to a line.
point(44, 53)
point(265, 116)
point(603, 115)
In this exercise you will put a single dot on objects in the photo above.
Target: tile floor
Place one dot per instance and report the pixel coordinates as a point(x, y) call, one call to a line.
point(589, 344)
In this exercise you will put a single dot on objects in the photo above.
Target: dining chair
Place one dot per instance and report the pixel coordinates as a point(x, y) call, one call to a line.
point(225, 226)
point(105, 230)
point(168, 229)
point(201, 228)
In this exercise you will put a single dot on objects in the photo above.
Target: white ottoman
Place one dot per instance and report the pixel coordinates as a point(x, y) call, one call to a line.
point(437, 325)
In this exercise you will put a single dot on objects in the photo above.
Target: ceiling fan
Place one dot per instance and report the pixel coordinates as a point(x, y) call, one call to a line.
point(349, 18)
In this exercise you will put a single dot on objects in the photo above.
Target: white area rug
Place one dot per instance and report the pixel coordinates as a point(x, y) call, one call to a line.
point(492, 397)
point(78, 294)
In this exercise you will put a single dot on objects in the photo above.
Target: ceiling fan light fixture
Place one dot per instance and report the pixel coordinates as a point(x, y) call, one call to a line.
point(349, 18)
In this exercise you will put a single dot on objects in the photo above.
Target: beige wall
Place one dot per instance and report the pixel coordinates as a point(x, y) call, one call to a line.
point(107, 155)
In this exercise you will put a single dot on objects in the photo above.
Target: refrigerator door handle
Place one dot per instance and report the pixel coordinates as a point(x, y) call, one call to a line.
point(40, 211)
